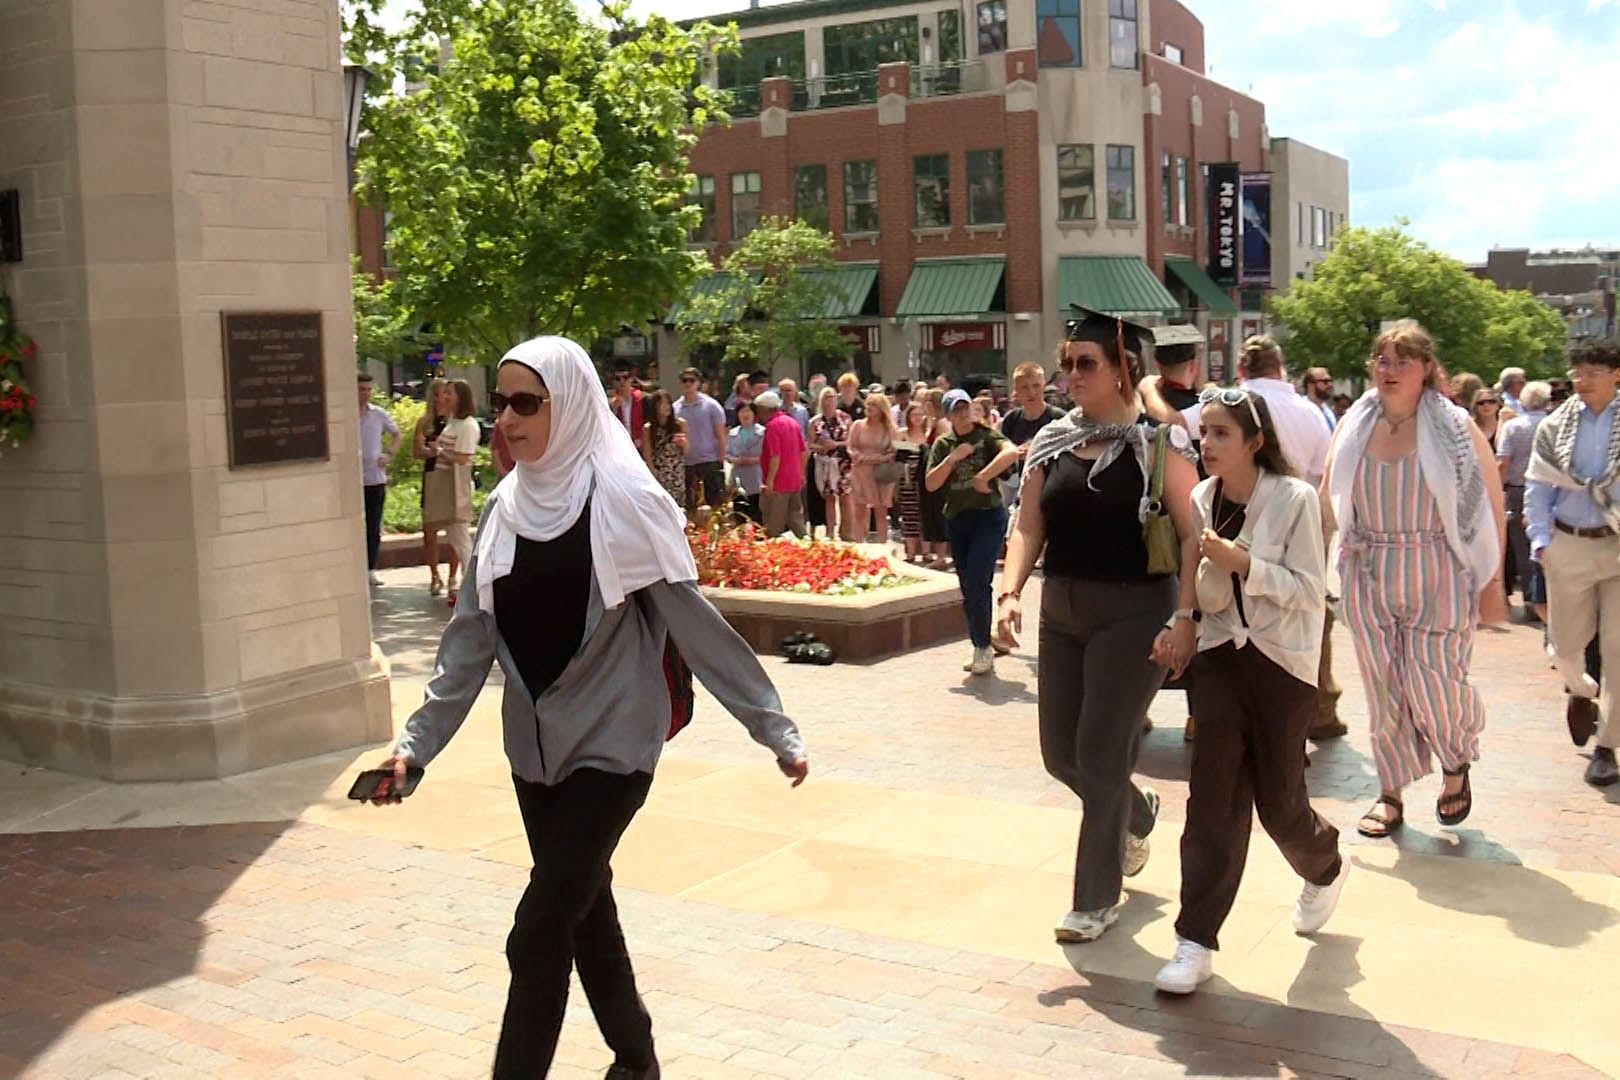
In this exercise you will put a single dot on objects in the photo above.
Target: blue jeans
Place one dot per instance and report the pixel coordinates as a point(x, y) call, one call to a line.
point(975, 537)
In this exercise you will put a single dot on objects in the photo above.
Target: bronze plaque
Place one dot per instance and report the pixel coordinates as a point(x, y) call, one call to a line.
point(275, 387)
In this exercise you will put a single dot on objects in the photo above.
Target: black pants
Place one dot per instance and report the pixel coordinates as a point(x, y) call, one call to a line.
point(1249, 756)
point(567, 919)
point(1095, 683)
point(710, 476)
point(376, 494)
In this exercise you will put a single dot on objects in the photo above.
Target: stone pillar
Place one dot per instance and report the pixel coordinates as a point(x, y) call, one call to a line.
point(165, 616)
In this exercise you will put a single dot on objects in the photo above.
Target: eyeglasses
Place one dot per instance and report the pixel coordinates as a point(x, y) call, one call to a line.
point(687, 379)
point(1083, 363)
point(1486, 401)
point(1400, 365)
point(523, 403)
point(1232, 397)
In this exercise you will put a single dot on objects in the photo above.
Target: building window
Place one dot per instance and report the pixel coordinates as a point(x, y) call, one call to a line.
point(1181, 191)
point(860, 47)
point(1172, 53)
point(1057, 32)
point(950, 37)
point(1167, 202)
point(1299, 224)
point(1122, 183)
point(931, 190)
point(1077, 183)
point(702, 194)
point(1316, 227)
point(760, 58)
point(860, 197)
point(992, 26)
point(810, 195)
point(744, 204)
point(1122, 33)
point(986, 206)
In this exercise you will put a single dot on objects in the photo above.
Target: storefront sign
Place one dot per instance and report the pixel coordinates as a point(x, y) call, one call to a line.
point(1256, 260)
point(1224, 222)
point(864, 338)
point(949, 337)
point(627, 345)
point(275, 387)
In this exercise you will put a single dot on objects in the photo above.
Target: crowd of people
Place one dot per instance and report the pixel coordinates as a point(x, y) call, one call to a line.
point(1199, 533)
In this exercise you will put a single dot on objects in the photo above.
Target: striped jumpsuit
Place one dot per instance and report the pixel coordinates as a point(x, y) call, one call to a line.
point(1409, 603)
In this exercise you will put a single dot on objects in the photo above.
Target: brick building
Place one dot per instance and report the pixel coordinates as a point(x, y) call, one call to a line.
point(1580, 285)
point(983, 166)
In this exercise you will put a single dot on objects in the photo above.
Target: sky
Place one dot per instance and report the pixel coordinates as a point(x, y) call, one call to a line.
point(1487, 123)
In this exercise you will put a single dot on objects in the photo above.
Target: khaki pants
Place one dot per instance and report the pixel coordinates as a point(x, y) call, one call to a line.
point(1328, 691)
point(783, 510)
point(1583, 599)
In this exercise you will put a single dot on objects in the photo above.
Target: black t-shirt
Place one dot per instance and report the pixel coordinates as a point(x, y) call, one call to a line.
point(856, 409)
point(1020, 431)
point(1096, 534)
point(1227, 523)
point(1178, 398)
point(540, 606)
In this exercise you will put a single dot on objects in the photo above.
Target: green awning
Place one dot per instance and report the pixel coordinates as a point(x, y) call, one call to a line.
point(951, 286)
point(718, 283)
point(1202, 285)
point(1114, 284)
point(849, 286)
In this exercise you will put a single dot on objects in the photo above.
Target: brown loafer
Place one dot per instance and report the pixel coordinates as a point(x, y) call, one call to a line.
point(1581, 713)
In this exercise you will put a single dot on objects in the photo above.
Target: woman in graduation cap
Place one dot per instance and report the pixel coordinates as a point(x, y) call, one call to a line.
point(580, 582)
point(1110, 628)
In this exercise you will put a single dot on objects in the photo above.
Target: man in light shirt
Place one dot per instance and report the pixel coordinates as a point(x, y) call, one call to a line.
point(374, 458)
point(1319, 388)
point(1512, 381)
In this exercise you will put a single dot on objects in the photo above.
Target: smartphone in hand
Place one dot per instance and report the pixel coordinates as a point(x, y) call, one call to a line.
point(379, 784)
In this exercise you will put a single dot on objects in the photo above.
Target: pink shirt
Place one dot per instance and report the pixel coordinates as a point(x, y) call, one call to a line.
point(784, 440)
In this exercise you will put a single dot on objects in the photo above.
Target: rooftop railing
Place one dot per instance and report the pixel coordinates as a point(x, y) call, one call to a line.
point(861, 87)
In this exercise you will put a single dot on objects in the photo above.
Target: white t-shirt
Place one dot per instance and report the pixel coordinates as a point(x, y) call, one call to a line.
point(465, 433)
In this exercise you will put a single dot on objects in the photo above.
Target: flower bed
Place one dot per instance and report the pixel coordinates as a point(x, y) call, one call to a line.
point(16, 399)
point(740, 559)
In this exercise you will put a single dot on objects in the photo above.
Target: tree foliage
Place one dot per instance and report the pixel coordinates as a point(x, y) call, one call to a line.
point(385, 329)
point(770, 301)
point(1375, 275)
point(535, 166)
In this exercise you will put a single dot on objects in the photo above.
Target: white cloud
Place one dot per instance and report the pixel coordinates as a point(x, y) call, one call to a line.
point(1383, 29)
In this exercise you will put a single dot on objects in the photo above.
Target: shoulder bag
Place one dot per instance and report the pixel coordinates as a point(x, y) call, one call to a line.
point(1158, 530)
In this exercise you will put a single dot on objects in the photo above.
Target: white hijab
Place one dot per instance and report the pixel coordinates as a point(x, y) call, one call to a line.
point(1450, 469)
point(637, 532)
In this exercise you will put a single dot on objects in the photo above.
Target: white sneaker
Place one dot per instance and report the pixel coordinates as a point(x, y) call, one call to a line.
point(375, 578)
point(1079, 927)
point(983, 662)
point(1316, 902)
point(1191, 965)
point(1137, 848)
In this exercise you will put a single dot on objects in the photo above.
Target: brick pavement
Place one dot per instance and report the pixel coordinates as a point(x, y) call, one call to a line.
point(296, 950)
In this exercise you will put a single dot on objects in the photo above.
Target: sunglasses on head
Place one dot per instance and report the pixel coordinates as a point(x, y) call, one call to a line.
point(523, 403)
point(1231, 397)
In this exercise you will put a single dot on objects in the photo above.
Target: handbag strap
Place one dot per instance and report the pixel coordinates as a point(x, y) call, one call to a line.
point(1161, 441)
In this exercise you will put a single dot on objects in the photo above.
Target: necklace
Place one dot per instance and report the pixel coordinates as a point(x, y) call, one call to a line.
point(1395, 425)
point(1236, 511)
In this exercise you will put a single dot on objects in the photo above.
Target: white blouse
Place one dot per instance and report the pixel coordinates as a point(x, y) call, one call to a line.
point(1284, 596)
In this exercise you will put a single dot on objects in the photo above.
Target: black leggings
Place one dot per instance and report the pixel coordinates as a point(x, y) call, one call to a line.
point(567, 919)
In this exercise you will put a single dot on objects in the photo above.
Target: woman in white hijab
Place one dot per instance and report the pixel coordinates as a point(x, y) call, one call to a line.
point(583, 587)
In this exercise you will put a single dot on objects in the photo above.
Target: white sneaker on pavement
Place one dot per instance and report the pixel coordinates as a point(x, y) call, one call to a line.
point(1316, 902)
point(1137, 848)
point(1191, 965)
point(376, 578)
point(983, 662)
point(1079, 927)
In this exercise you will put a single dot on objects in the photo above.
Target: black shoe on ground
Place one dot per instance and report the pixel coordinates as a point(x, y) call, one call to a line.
point(1331, 729)
point(1603, 771)
point(632, 1072)
point(1581, 714)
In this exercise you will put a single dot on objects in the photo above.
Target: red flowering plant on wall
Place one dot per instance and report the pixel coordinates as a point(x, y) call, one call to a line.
point(16, 400)
point(732, 553)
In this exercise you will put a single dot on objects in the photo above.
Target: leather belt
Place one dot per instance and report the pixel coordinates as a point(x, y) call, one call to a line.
point(1586, 534)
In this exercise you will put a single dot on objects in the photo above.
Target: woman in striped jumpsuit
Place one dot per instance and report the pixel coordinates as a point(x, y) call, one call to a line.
point(1420, 543)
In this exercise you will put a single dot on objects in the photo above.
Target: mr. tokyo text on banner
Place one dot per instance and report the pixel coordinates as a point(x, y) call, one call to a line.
point(1224, 194)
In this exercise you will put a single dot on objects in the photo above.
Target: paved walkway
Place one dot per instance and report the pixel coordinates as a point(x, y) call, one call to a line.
point(889, 919)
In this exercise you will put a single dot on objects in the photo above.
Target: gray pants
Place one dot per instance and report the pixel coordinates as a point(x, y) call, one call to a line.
point(1095, 685)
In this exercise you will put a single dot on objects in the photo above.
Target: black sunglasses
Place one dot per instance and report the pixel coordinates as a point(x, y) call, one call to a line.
point(687, 379)
point(523, 403)
point(1084, 362)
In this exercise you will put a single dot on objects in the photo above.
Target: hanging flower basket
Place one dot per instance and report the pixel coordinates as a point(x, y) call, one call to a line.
point(16, 399)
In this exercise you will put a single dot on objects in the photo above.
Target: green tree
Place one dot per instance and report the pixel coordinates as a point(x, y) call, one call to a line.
point(384, 327)
point(771, 299)
point(1375, 275)
point(535, 169)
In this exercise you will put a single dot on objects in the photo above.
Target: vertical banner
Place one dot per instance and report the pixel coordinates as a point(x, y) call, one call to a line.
point(1256, 188)
point(1224, 195)
point(1217, 356)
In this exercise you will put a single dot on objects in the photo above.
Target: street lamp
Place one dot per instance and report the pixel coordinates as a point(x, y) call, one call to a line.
point(354, 100)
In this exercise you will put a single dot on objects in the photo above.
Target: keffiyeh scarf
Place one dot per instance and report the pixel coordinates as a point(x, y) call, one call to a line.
point(1070, 432)
point(1552, 455)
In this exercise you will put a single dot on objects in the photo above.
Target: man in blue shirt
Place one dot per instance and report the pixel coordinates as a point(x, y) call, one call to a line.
point(1572, 507)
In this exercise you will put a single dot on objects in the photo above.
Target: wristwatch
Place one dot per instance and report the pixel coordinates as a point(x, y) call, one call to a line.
point(1192, 615)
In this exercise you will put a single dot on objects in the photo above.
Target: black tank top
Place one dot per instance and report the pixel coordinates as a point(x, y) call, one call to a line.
point(540, 606)
point(1094, 534)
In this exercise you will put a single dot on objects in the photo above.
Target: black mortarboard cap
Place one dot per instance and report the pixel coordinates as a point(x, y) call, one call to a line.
point(1106, 330)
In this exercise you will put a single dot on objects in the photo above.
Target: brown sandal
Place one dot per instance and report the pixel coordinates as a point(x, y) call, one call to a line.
point(1380, 827)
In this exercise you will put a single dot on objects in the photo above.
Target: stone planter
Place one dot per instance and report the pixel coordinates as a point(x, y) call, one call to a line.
point(863, 627)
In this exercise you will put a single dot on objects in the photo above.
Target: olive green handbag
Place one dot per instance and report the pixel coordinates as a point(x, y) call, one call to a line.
point(1158, 531)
